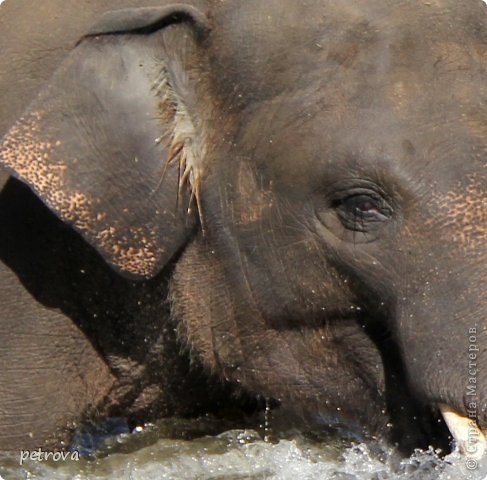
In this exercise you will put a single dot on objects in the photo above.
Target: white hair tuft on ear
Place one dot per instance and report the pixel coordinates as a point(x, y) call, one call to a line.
point(184, 142)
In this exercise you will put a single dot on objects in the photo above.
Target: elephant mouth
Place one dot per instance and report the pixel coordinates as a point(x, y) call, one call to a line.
point(470, 438)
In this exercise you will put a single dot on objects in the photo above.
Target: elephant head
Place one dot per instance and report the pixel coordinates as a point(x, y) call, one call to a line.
point(316, 175)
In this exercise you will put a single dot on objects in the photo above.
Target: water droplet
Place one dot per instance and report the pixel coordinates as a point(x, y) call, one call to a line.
point(267, 421)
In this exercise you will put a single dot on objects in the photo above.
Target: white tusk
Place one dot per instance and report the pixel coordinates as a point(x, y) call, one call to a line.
point(470, 439)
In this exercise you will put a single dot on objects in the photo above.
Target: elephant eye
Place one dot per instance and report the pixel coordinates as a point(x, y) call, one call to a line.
point(361, 212)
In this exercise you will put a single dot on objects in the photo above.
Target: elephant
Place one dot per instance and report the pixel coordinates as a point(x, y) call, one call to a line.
point(70, 349)
point(302, 184)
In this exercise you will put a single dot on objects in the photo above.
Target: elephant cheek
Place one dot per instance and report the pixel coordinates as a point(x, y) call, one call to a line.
point(254, 203)
point(203, 309)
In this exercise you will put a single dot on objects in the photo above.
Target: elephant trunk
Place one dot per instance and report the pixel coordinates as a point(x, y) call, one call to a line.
point(442, 332)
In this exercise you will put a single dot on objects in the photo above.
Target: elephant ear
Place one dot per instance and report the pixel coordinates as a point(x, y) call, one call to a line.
point(111, 144)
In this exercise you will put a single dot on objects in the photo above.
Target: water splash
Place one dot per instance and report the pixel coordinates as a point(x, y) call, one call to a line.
point(243, 454)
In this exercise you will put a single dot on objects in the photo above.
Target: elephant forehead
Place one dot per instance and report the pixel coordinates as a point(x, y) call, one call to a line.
point(321, 82)
point(272, 47)
point(319, 136)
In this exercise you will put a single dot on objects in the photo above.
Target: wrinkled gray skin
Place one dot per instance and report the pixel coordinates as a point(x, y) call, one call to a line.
point(332, 155)
point(77, 340)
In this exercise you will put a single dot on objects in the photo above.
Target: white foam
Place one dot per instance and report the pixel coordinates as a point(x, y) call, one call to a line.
point(241, 454)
